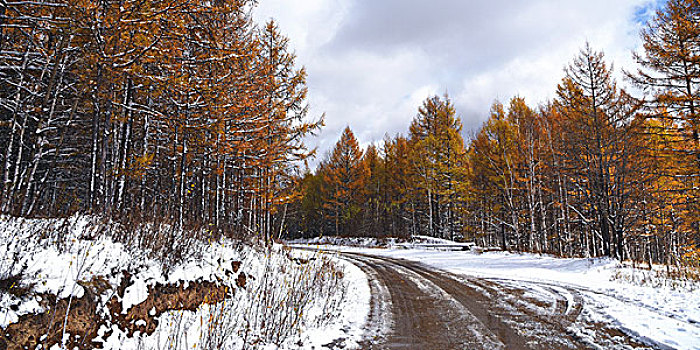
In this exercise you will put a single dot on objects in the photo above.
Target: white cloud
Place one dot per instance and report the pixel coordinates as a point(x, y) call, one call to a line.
point(371, 63)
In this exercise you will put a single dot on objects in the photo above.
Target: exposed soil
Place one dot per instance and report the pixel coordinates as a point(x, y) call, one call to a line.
point(85, 314)
point(428, 309)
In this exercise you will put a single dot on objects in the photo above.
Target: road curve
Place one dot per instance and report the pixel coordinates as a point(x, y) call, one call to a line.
point(415, 307)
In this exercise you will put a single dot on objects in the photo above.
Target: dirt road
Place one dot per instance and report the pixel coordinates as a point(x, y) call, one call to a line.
point(415, 307)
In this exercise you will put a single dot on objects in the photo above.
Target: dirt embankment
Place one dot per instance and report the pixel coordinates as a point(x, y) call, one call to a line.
point(81, 318)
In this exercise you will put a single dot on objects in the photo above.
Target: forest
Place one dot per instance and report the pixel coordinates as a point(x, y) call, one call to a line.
point(183, 113)
point(190, 114)
point(597, 171)
point(154, 173)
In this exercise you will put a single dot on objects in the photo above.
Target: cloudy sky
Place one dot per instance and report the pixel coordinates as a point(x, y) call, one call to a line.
point(372, 62)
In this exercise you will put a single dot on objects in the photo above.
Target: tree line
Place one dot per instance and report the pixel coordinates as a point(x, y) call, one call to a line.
point(597, 171)
point(175, 111)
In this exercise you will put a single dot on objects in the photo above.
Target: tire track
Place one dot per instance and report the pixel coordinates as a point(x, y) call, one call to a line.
point(428, 309)
point(433, 315)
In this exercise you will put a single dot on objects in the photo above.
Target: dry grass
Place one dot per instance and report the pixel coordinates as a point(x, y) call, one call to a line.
point(674, 277)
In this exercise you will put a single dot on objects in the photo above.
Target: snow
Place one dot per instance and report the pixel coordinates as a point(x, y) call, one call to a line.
point(277, 276)
point(49, 270)
point(350, 324)
point(663, 316)
point(367, 242)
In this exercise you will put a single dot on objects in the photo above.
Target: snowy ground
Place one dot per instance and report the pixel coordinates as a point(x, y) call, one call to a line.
point(334, 316)
point(666, 316)
point(323, 322)
point(292, 300)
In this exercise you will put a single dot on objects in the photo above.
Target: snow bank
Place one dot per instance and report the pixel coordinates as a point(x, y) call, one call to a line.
point(335, 318)
point(59, 269)
point(302, 292)
point(347, 330)
point(367, 242)
point(416, 242)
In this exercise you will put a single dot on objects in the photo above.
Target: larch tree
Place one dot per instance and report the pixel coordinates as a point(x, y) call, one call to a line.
point(345, 176)
point(530, 169)
point(283, 95)
point(495, 175)
point(670, 64)
point(375, 206)
point(397, 187)
point(598, 120)
point(438, 157)
point(670, 77)
point(176, 112)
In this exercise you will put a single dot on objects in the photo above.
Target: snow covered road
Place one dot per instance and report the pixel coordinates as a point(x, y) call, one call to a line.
point(505, 300)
